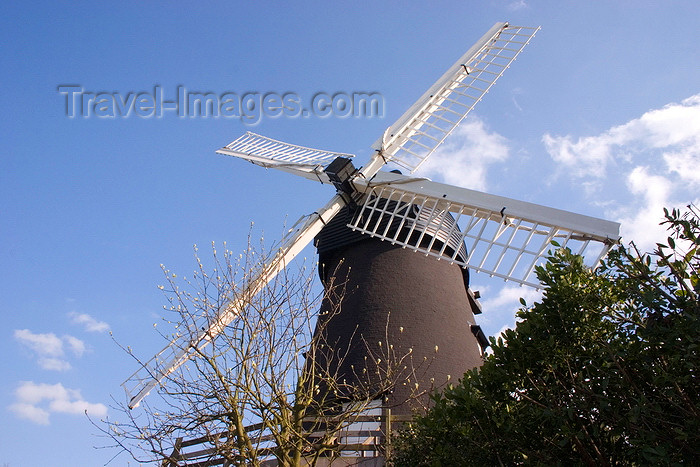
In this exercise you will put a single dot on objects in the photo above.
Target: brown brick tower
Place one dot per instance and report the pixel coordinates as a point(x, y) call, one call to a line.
point(394, 303)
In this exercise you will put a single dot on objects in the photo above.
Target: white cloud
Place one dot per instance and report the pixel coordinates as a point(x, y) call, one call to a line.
point(637, 168)
point(517, 5)
point(642, 222)
point(685, 164)
point(43, 344)
point(49, 348)
point(509, 298)
point(30, 412)
point(465, 156)
point(76, 345)
point(53, 363)
point(502, 306)
point(673, 130)
point(588, 156)
point(35, 402)
point(89, 323)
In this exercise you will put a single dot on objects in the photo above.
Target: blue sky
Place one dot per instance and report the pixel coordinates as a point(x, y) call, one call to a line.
point(600, 115)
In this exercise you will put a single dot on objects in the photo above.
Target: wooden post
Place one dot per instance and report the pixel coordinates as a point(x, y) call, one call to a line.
point(171, 461)
point(387, 433)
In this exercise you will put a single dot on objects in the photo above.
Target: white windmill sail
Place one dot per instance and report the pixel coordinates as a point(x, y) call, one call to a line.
point(504, 237)
point(271, 153)
point(182, 348)
point(424, 126)
point(408, 143)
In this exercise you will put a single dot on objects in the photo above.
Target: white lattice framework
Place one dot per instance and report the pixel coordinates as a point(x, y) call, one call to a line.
point(427, 123)
point(504, 237)
point(269, 152)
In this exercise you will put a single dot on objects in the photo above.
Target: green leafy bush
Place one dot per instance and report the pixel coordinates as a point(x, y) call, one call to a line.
point(602, 371)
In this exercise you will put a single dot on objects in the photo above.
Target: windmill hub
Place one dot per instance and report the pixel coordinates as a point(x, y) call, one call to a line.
point(340, 172)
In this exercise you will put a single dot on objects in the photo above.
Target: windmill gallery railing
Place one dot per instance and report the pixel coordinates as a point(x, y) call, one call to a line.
point(369, 436)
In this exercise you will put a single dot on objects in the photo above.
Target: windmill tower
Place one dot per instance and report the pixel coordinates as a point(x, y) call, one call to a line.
point(396, 304)
point(404, 243)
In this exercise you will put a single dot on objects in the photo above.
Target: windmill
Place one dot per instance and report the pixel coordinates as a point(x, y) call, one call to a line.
point(405, 214)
